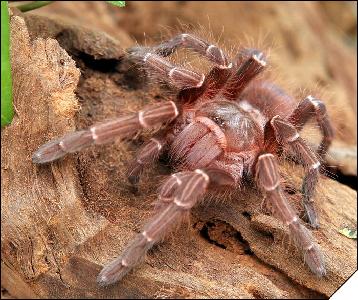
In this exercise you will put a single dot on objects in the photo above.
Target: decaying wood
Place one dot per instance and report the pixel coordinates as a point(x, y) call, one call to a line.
point(61, 222)
point(38, 230)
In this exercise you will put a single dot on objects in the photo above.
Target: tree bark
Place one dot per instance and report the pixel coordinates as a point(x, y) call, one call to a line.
point(63, 221)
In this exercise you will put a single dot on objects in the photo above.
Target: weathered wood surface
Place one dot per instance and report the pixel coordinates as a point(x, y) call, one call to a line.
point(62, 222)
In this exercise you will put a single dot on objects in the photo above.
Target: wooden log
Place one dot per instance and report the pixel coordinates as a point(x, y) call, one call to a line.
point(61, 222)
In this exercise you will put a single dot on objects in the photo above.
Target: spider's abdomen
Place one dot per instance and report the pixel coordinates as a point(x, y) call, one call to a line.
point(269, 99)
point(215, 128)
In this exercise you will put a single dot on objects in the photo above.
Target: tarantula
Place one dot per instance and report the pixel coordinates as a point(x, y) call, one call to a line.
point(220, 130)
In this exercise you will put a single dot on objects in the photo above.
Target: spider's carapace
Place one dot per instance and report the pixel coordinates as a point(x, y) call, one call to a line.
point(237, 122)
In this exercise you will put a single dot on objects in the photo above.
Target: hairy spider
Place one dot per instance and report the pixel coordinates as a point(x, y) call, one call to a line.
point(220, 130)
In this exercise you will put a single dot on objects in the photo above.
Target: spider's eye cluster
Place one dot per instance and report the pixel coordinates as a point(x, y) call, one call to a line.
point(218, 121)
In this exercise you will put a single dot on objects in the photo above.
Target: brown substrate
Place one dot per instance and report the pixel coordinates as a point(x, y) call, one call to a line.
point(64, 221)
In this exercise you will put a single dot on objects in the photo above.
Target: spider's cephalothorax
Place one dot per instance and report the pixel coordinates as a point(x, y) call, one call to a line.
point(218, 130)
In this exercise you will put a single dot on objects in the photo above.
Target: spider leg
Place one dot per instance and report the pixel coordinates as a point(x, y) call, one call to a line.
point(212, 52)
point(231, 81)
point(268, 179)
point(123, 127)
point(248, 64)
point(177, 196)
point(147, 155)
point(287, 135)
point(164, 70)
point(193, 84)
point(304, 111)
point(212, 85)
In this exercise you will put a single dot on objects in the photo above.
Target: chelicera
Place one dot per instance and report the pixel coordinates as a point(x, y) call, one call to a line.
point(219, 130)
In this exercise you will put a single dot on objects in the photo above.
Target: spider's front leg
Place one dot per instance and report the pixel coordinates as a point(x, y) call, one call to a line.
point(268, 179)
point(123, 127)
point(177, 196)
point(305, 110)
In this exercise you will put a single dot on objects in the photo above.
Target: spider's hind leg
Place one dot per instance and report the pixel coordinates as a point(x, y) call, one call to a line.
point(268, 178)
point(247, 65)
point(185, 40)
point(287, 135)
point(163, 70)
point(305, 110)
point(192, 85)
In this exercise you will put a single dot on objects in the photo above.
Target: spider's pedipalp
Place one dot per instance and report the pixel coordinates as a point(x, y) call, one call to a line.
point(268, 179)
point(102, 133)
point(196, 146)
point(186, 139)
point(215, 129)
point(146, 156)
point(304, 111)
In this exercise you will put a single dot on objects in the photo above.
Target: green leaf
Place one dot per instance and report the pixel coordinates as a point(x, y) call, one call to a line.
point(32, 5)
point(118, 3)
point(7, 111)
point(349, 233)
